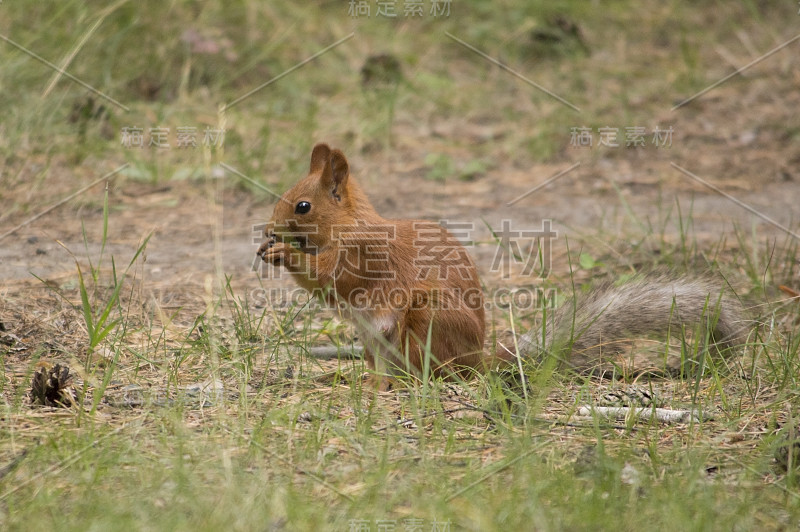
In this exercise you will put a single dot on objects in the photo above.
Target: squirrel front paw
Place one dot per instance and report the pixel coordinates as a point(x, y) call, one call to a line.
point(273, 252)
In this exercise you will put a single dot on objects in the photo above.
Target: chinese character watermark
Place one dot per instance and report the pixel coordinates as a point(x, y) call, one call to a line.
point(160, 137)
point(438, 251)
point(510, 250)
point(662, 138)
point(439, 256)
point(608, 137)
point(367, 255)
point(581, 137)
point(635, 137)
point(132, 137)
point(394, 9)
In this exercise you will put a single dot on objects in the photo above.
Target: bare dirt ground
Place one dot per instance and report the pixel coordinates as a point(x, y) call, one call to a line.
point(615, 192)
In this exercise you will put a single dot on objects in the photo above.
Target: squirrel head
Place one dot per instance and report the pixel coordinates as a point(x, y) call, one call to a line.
point(309, 213)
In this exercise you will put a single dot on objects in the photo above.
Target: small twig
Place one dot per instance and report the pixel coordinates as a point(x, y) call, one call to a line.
point(794, 294)
point(661, 414)
point(543, 421)
point(517, 354)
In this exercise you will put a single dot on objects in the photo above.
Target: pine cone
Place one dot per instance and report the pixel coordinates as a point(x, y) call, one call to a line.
point(52, 386)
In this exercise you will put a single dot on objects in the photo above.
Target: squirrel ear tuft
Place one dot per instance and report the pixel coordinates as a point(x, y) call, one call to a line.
point(339, 167)
point(320, 157)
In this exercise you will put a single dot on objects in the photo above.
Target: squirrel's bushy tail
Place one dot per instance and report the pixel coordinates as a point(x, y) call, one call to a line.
point(655, 304)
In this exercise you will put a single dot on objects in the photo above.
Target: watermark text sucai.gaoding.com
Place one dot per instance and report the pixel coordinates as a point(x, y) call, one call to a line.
point(525, 298)
point(409, 524)
point(365, 250)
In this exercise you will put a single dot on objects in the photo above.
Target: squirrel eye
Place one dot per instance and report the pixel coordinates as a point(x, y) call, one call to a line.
point(302, 208)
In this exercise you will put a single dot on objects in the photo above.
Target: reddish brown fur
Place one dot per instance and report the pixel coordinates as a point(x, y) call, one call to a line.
point(343, 250)
point(343, 246)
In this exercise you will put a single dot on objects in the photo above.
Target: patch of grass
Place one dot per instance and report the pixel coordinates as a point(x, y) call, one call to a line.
point(292, 452)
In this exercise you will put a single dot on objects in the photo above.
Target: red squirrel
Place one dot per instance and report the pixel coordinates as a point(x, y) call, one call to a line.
point(409, 286)
point(412, 289)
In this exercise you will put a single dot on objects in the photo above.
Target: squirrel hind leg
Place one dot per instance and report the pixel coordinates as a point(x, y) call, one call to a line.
point(379, 376)
point(388, 350)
